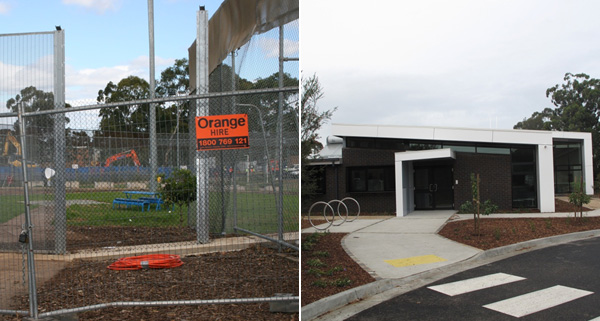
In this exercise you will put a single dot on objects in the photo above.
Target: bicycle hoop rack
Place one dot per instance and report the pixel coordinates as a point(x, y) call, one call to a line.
point(332, 209)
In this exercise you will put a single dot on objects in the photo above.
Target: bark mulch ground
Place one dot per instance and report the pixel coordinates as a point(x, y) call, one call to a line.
point(495, 232)
point(326, 268)
point(98, 237)
point(254, 272)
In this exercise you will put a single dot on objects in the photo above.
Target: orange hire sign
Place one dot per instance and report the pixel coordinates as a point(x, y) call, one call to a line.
point(222, 132)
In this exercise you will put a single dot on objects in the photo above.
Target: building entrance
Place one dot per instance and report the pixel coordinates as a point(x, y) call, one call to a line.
point(434, 187)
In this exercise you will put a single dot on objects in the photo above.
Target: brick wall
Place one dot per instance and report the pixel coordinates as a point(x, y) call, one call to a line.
point(494, 171)
point(495, 178)
point(381, 202)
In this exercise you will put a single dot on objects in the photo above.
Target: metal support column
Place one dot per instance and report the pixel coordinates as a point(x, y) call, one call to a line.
point(60, 193)
point(233, 111)
point(32, 288)
point(202, 203)
point(152, 129)
point(280, 140)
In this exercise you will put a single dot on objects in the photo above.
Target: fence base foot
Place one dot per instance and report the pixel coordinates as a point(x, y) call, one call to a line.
point(63, 317)
point(284, 306)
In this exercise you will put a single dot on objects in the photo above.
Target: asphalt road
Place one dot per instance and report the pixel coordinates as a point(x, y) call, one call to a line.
point(539, 284)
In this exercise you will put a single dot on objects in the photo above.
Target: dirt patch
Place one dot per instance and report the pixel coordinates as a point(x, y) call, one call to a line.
point(255, 272)
point(98, 237)
point(12, 274)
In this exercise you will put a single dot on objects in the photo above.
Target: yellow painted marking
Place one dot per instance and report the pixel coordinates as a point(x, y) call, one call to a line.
point(415, 260)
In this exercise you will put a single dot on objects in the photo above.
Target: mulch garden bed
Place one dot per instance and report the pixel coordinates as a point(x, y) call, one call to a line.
point(255, 272)
point(326, 268)
point(497, 232)
point(500, 232)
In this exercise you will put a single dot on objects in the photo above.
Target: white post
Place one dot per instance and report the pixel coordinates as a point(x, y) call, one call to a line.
point(545, 178)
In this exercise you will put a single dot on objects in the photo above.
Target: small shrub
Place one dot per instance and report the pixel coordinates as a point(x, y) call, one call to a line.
point(320, 283)
point(514, 230)
point(548, 223)
point(466, 208)
point(315, 263)
point(578, 198)
point(532, 226)
point(315, 272)
point(338, 269)
point(342, 282)
point(497, 234)
point(179, 189)
point(321, 253)
point(310, 241)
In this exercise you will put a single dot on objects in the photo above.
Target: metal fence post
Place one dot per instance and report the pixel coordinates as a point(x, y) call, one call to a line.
point(152, 129)
point(60, 208)
point(33, 308)
point(280, 140)
point(202, 184)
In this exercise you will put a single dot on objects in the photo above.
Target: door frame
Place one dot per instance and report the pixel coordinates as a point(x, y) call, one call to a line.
point(433, 189)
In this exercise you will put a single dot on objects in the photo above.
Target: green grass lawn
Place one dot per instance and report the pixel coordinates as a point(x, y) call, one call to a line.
point(14, 205)
point(256, 212)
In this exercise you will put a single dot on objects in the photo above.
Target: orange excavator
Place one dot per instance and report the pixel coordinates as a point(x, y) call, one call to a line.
point(14, 159)
point(128, 154)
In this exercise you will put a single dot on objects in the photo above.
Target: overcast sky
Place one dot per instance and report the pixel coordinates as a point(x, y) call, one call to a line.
point(107, 40)
point(455, 63)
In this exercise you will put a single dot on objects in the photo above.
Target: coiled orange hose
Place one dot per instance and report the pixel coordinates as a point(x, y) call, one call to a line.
point(150, 261)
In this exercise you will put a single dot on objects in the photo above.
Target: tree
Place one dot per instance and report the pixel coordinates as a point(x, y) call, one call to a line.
point(577, 103)
point(175, 79)
point(578, 198)
point(312, 120)
point(476, 207)
point(538, 120)
point(125, 118)
point(40, 128)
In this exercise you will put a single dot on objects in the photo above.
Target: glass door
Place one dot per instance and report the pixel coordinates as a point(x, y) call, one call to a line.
point(434, 187)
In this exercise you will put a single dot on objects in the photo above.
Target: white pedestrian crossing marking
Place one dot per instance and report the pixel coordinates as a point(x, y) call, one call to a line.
point(475, 284)
point(537, 301)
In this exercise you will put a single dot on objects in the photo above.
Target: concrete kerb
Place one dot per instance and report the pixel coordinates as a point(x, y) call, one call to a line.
point(336, 307)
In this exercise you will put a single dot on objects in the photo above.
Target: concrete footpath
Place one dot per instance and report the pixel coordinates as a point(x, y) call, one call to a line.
point(405, 253)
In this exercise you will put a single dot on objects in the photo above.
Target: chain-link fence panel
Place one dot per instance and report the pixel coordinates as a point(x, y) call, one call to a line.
point(26, 82)
point(111, 213)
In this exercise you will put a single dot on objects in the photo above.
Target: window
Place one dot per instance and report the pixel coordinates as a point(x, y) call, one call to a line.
point(493, 150)
point(460, 148)
point(567, 166)
point(524, 179)
point(371, 179)
point(317, 178)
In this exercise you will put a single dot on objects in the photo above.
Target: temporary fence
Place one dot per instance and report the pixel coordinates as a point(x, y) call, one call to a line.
point(84, 185)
